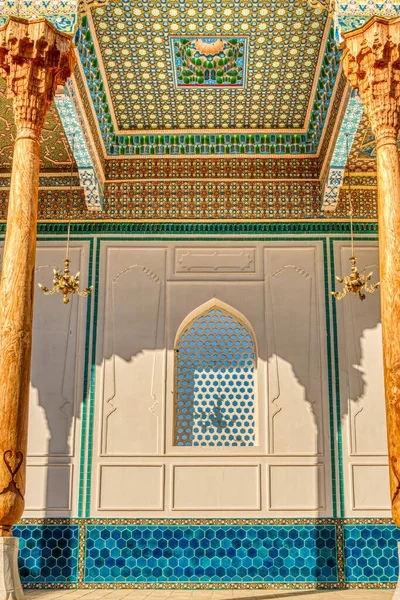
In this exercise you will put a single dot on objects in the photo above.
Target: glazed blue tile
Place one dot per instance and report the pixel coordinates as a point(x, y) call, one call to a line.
point(208, 553)
point(48, 553)
point(370, 552)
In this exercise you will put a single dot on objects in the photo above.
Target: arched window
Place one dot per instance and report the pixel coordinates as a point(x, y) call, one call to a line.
point(215, 370)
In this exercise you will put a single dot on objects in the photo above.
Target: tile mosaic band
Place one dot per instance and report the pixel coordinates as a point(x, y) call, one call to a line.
point(208, 553)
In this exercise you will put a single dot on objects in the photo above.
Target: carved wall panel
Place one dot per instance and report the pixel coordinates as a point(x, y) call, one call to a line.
point(131, 487)
point(215, 260)
point(296, 487)
point(361, 390)
point(147, 300)
point(54, 363)
point(364, 362)
point(134, 351)
point(56, 395)
point(216, 487)
point(54, 498)
point(294, 341)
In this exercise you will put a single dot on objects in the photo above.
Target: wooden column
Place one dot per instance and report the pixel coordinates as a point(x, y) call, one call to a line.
point(371, 62)
point(34, 59)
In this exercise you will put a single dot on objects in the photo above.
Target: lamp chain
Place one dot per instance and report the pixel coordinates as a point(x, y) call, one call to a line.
point(70, 191)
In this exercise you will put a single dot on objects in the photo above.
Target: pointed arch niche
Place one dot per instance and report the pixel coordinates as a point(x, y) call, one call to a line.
point(215, 374)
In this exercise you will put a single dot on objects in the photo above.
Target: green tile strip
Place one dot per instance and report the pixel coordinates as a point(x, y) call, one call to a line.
point(89, 444)
point(85, 387)
point(332, 437)
point(299, 227)
point(336, 371)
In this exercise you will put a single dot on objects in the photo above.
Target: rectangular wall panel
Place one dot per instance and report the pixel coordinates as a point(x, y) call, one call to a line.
point(297, 487)
point(215, 260)
point(212, 487)
point(131, 487)
point(48, 488)
point(296, 378)
point(56, 391)
point(370, 487)
point(362, 399)
point(133, 355)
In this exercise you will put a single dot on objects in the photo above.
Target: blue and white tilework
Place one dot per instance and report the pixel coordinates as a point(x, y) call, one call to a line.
point(337, 167)
point(88, 179)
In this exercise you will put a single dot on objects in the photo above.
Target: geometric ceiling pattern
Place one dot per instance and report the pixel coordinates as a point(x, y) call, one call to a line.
point(162, 87)
point(284, 41)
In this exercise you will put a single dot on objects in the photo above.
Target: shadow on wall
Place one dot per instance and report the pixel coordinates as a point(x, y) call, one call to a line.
point(56, 389)
point(137, 336)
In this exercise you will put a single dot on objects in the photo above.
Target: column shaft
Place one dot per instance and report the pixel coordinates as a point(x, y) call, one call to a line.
point(371, 64)
point(388, 171)
point(34, 59)
point(16, 311)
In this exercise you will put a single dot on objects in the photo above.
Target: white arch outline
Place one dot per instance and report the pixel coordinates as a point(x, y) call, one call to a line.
point(216, 303)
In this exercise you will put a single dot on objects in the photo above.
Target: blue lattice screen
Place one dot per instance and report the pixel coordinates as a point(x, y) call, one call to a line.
point(215, 382)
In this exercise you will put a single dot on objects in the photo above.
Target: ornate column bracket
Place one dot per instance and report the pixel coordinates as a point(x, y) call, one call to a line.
point(371, 62)
point(34, 59)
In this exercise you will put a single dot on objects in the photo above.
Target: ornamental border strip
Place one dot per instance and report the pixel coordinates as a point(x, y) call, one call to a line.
point(193, 228)
point(338, 523)
point(205, 521)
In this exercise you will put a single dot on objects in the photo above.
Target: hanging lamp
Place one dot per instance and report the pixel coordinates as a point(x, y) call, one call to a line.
point(356, 282)
point(63, 281)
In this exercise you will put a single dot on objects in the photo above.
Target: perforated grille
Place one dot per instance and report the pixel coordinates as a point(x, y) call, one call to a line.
point(215, 370)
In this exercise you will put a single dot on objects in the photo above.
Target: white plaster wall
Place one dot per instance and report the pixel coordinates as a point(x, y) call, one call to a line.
point(365, 470)
point(146, 290)
point(56, 395)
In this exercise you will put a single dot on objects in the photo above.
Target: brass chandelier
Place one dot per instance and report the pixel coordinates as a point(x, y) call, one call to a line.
point(63, 281)
point(355, 283)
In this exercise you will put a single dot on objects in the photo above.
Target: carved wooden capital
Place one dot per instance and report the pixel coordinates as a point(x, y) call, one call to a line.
point(371, 63)
point(34, 59)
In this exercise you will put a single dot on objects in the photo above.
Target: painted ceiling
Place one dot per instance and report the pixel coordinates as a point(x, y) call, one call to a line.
point(196, 110)
point(139, 42)
point(209, 78)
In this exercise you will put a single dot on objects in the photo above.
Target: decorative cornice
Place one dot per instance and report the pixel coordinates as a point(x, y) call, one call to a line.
point(192, 228)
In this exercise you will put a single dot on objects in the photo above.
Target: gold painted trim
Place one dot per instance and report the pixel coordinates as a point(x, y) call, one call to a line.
point(173, 221)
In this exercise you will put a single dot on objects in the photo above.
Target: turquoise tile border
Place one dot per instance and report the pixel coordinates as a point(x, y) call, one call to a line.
point(209, 553)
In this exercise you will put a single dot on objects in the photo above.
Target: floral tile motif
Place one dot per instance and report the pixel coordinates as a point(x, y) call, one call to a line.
point(209, 62)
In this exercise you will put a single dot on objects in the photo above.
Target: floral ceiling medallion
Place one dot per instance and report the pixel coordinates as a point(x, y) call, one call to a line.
point(209, 62)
